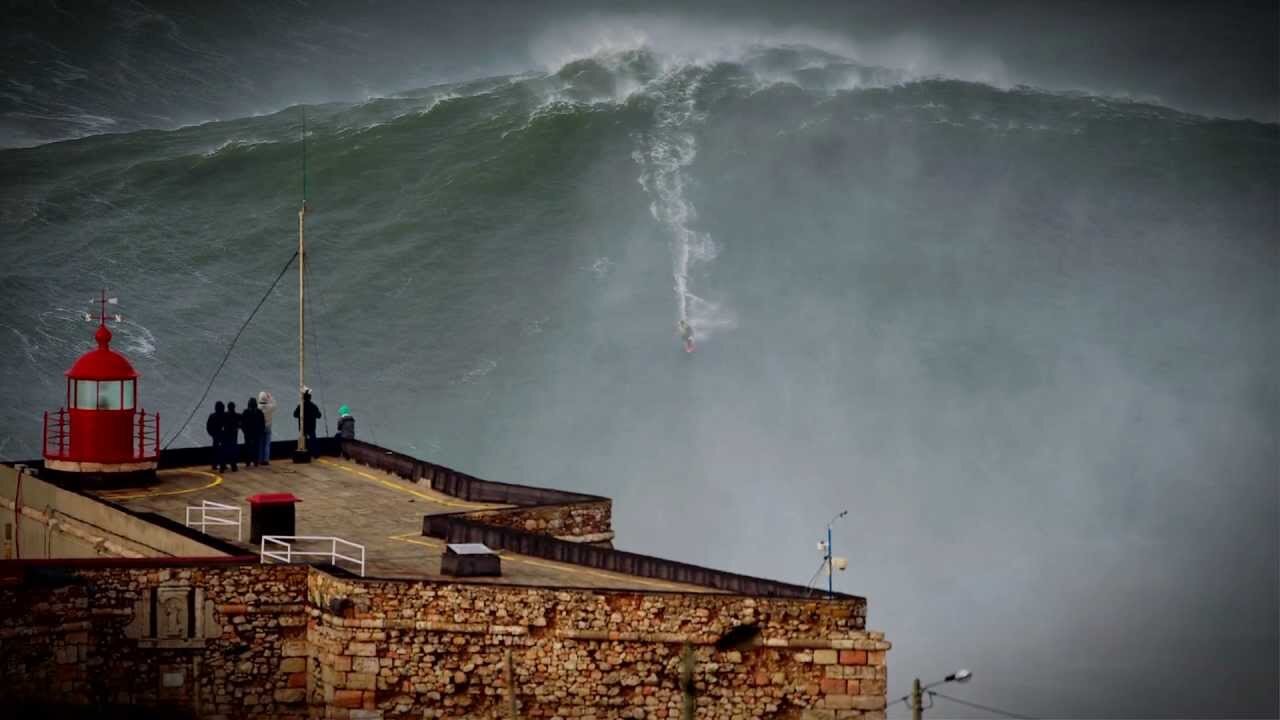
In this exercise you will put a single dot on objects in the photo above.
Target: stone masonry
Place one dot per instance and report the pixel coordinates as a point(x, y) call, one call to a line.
point(589, 521)
point(280, 641)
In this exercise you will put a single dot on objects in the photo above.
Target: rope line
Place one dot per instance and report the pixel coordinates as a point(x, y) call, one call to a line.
point(984, 708)
point(227, 355)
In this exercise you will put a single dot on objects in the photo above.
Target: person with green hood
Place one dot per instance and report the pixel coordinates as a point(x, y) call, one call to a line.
point(346, 424)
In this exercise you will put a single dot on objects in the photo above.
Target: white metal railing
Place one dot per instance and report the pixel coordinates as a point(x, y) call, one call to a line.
point(204, 517)
point(289, 552)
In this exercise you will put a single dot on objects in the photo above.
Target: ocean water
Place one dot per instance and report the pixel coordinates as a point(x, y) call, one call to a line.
point(983, 314)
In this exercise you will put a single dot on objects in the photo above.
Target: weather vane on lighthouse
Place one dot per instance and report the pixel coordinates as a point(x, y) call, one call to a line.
point(103, 302)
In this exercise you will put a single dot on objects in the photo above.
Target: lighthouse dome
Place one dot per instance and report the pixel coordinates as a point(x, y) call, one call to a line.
point(102, 363)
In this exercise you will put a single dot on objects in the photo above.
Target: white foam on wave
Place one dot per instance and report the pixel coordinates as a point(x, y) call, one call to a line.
point(432, 102)
point(237, 144)
point(665, 154)
point(135, 339)
point(601, 267)
point(28, 348)
point(677, 40)
point(482, 368)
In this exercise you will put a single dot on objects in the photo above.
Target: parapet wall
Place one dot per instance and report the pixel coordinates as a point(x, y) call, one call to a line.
point(42, 520)
point(278, 641)
point(575, 517)
point(588, 521)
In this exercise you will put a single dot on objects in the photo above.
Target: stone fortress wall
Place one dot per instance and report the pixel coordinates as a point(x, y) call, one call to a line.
point(291, 641)
point(215, 634)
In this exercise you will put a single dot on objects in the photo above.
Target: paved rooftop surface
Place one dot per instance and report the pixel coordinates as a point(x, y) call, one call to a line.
point(365, 506)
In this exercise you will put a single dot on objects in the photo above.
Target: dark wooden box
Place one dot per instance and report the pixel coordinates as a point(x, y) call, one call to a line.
point(470, 560)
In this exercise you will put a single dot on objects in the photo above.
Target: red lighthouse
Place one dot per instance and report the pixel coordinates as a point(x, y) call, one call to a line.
point(101, 430)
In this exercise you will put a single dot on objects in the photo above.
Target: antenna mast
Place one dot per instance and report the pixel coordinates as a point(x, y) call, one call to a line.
point(302, 454)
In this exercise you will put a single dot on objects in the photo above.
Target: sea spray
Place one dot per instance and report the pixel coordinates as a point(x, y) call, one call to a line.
point(665, 153)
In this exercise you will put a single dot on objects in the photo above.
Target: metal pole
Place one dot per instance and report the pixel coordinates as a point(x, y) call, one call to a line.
point(831, 592)
point(916, 709)
point(302, 455)
point(302, 397)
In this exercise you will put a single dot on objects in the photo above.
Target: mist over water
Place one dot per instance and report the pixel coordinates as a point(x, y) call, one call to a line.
point(1027, 338)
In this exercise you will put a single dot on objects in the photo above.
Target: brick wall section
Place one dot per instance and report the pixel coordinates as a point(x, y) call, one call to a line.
point(589, 521)
point(294, 642)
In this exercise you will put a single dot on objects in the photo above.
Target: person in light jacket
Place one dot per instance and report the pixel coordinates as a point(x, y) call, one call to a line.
point(267, 405)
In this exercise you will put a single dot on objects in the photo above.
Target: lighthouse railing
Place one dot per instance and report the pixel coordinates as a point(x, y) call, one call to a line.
point(147, 435)
point(56, 436)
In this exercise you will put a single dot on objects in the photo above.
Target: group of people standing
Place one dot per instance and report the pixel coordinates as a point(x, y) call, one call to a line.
point(225, 426)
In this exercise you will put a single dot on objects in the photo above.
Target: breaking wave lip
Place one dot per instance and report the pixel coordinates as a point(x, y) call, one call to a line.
point(432, 103)
point(632, 59)
point(233, 144)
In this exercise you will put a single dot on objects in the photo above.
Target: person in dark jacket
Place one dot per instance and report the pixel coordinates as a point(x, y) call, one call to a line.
point(213, 426)
point(309, 419)
point(252, 423)
point(231, 437)
point(346, 424)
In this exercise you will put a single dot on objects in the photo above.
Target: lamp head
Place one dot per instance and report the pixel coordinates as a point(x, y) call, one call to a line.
point(960, 676)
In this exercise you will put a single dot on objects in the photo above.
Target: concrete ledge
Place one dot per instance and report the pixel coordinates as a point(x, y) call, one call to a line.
point(92, 467)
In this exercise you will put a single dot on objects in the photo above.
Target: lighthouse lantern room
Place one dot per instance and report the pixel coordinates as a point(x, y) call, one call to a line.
point(101, 431)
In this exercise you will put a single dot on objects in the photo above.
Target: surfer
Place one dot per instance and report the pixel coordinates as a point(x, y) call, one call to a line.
point(686, 334)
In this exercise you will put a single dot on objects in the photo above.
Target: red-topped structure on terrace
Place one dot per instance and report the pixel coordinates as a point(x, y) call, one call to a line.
point(101, 430)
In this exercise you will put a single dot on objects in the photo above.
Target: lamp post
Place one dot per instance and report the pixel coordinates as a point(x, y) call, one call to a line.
point(831, 592)
point(918, 690)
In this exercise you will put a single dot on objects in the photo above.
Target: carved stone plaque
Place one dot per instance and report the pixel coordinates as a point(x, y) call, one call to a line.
point(173, 617)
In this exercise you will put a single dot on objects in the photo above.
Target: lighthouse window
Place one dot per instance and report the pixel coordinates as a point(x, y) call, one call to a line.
point(127, 395)
point(86, 394)
point(109, 395)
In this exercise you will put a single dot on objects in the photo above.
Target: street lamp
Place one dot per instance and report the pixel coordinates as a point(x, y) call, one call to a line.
point(831, 562)
point(917, 691)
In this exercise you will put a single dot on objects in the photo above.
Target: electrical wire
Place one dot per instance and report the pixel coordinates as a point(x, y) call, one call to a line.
point(907, 699)
point(818, 572)
point(984, 708)
point(227, 355)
